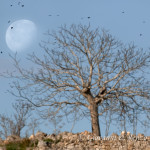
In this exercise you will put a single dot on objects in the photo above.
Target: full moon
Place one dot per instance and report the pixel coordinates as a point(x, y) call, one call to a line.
point(20, 35)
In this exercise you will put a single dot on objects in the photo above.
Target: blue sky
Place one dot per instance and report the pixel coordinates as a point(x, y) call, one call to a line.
point(127, 20)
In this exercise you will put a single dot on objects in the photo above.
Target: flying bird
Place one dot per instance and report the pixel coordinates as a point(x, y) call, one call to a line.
point(88, 17)
point(1, 52)
point(12, 27)
point(8, 21)
point(22, 5)
point(140, 34)
point(11, 5)
point(122, 12)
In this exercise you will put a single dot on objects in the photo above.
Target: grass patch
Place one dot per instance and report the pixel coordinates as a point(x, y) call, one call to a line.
point(20, 145)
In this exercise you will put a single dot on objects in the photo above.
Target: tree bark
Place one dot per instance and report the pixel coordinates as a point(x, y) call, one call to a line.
point(95, 119)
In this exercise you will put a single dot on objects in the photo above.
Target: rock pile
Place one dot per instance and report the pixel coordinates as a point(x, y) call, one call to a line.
point(87, 141)
point(12, 138)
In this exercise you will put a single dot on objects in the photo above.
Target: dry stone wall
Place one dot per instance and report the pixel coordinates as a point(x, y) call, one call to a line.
point(88, 141)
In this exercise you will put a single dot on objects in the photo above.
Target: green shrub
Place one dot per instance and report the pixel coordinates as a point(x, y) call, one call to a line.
point(34, 143)
point(12, 146)
point(49, 140)
point(20, 145)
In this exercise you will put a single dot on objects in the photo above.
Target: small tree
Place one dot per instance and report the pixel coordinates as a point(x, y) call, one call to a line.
point(13, 125)
point(33, 125)
point(88, 71)
point(22, 113)
point(6, 126)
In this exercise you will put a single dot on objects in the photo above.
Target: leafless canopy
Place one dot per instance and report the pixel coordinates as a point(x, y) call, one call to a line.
point(13, 125)
point(82, 69)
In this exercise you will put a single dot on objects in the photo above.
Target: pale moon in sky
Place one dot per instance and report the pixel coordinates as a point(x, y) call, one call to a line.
point(20, 35)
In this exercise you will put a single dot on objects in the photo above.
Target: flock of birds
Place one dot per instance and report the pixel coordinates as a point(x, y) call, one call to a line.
point(22, 5)
point(19, 3)
point(11, 5)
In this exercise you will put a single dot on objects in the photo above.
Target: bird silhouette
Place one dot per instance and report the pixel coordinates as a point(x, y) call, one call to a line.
point(140, 34)
point(88, 17)
point(8, 21)
point(122, 12)
point(12, 27)
point(22, 5)
point(1, 52)
point(11, 5)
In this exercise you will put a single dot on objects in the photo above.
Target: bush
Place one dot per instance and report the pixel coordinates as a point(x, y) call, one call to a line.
point(20, 145)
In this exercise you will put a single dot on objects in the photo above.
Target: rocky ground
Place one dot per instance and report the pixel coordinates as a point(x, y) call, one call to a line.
point(78, 141)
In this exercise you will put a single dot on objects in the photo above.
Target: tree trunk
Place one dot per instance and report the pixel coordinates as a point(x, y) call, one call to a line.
point(95, 119)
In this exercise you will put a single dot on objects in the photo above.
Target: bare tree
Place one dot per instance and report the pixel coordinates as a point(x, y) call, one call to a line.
point(108, 121)
point(134, 121)
point(34, 125)
point(22, 113)
point(86, 70)
point(6, 126)
point(13, 125)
